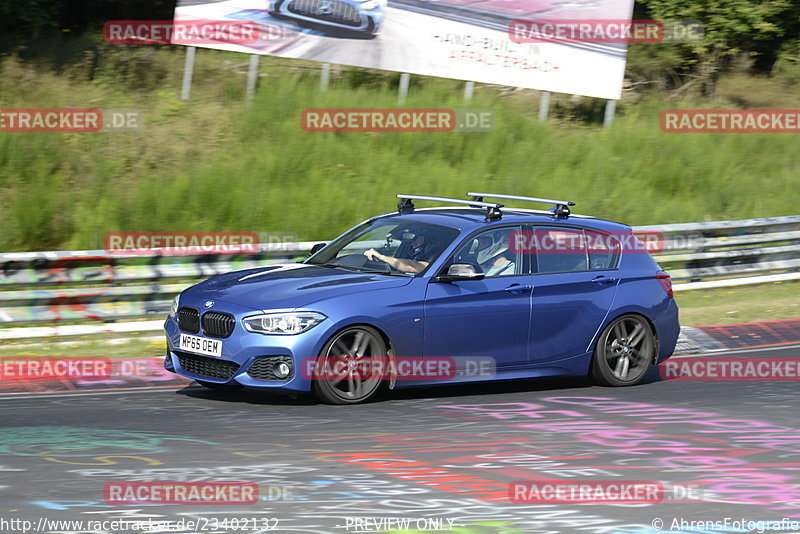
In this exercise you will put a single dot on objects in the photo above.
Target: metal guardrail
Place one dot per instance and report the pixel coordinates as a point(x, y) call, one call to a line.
point(55, 287)
point(95, 287)
point(729, 253)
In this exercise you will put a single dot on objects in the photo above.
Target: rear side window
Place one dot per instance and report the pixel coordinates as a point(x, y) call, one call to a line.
point(556, 249)
point(559, 250)
point(603, 250)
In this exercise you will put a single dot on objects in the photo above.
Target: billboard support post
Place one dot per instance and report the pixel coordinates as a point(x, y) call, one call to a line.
point(188, 69)
point(566, 68)
point(252, 78)
point(469, 90)
point(325, 77)
point(544, 106)
point(405, 78)
point(611, 108)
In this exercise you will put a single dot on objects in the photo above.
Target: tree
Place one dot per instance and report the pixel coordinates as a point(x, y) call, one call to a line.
point(731, 27)
point(29, 17)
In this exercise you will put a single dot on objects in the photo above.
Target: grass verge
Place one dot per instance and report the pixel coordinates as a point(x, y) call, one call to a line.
point(213, 164)
point(763, 302)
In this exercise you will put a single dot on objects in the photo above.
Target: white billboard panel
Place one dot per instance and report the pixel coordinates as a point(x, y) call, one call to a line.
point(460, 39)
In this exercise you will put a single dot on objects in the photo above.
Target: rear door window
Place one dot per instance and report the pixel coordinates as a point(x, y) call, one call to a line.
point(603, 249)
point(557, 249)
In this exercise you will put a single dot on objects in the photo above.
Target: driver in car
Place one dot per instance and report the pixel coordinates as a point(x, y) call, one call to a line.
point(420, 256)
point(494, 258)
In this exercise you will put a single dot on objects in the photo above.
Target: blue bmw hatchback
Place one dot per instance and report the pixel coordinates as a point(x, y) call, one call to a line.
point(431, 296)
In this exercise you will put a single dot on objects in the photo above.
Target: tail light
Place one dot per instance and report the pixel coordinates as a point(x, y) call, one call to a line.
point(666, 282)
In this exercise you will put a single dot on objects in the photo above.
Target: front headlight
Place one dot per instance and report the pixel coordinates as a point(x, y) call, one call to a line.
point(174, 308)
point(284, 323)
point(369, 5)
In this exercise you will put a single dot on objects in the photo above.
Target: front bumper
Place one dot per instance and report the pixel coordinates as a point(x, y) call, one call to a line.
point(246, 359)
point(334, 13)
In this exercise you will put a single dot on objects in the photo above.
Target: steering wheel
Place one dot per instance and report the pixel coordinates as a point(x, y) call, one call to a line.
point(386, 266)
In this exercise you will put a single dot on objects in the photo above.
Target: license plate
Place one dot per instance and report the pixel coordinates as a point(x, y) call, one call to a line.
point(201, 345)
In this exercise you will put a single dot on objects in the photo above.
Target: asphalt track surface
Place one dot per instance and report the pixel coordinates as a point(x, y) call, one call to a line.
point(437, 457)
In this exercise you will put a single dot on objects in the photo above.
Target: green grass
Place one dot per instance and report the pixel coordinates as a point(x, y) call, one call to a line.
point(780, 300)
point(84, 347)
point(213, 164)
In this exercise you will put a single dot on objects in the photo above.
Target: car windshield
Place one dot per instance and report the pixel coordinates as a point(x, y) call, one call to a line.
point(388, 246)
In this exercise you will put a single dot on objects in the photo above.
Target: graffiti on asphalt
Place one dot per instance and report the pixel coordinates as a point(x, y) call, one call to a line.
point(73, 441)
point(719, 454)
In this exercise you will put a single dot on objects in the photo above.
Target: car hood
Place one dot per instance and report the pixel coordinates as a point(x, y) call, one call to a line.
point(287, 286)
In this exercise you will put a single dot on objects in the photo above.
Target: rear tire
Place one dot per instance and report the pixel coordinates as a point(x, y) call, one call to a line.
point(340, 379)
point(624, 352)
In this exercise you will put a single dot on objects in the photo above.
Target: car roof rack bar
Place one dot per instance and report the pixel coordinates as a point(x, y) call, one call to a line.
point(492, 208)
point(560, 210)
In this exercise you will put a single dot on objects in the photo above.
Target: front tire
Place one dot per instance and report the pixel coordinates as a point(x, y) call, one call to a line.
point(624, 352)
point(351, 367)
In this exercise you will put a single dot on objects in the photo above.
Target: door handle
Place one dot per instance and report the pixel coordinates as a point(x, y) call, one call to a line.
point(518, 288)
point(603, 279)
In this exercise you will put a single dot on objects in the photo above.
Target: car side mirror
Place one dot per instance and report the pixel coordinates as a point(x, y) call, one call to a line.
point(462, 271)
point(316, 248)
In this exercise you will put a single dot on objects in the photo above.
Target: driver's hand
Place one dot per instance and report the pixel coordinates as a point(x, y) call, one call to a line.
point(372, 254)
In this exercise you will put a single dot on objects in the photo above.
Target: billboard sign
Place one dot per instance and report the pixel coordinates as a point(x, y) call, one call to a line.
point(487, 41)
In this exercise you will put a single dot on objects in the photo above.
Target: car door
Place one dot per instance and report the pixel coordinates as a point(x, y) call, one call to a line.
point(481, 318)
point(575, 279)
